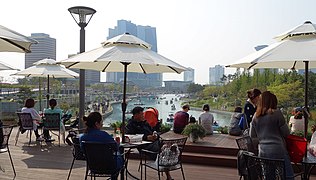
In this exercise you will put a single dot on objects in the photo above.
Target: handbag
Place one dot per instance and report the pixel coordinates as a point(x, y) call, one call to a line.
point(296, 147)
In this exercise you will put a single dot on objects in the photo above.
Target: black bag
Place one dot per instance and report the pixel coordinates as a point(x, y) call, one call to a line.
point(70, 135)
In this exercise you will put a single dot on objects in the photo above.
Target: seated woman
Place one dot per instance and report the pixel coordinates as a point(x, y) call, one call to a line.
point(93, 133)
point(29, 108)
point(234, 128)
point(206, 119)
point(297, 120)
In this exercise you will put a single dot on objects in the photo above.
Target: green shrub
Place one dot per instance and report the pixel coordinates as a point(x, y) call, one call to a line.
point(165, 128)
point(223, 130)
point(196, 130)
point(115, 125)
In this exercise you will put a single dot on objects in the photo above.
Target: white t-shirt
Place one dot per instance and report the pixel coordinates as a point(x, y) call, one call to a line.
point(35, 116)
point(296, 124)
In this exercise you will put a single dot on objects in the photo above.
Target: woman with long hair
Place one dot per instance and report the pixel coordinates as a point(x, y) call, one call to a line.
point(270, 128)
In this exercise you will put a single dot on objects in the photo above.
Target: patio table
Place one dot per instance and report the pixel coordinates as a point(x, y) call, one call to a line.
point(129, 147)
point(309, 162)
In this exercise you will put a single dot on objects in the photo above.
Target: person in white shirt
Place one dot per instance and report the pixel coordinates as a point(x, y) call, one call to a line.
point(297, 120)
point(29, 108)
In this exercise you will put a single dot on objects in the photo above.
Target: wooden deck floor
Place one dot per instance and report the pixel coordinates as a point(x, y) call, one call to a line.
point(53, 163)
point(215, 140)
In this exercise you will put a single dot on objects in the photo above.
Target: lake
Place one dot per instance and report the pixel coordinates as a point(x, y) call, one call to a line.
point(163, 108)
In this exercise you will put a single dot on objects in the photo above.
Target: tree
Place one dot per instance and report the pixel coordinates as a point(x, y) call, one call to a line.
point(289, 94)
point(194, 88)
point(24, 93)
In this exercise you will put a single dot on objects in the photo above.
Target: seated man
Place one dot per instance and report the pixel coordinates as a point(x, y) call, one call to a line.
point(138, 125)
point(181, 119)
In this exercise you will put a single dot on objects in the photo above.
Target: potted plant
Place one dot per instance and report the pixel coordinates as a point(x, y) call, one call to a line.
point(194, 132)
point(116, 125)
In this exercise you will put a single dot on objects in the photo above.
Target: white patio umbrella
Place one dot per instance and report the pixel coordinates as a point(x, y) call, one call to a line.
point(47, 68)
point(11, 41)
point(123, 53)
point(4, 66)
point(296, 49)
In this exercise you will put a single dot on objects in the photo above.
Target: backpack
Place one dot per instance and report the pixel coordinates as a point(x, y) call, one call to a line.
point(243, 122)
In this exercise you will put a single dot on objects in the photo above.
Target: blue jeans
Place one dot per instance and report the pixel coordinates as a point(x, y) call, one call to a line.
point(288, 168)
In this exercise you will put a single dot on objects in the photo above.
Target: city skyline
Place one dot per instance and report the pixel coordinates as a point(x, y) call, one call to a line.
point(197, 34)
point(145, 33)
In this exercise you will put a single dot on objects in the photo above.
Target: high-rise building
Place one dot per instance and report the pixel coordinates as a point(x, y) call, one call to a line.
point(189, 75)
point(46, 48)
point(215, 74)
point(259, 47)
point(147, 34)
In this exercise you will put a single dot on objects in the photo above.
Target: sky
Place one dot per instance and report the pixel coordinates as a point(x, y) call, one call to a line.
point(194, 33)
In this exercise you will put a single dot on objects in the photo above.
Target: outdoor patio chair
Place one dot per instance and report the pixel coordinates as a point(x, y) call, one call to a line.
point(26, 124)
point(264, 168)
point(4, 146)
point(244, 144)
point(101, 159)
point(51, 121)
point(168, 158)
point(77, 154)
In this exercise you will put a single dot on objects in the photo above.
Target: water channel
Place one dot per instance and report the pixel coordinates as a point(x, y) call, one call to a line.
point(163, 108)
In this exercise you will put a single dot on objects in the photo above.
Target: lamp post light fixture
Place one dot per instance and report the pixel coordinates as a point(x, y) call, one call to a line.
point(82, 15)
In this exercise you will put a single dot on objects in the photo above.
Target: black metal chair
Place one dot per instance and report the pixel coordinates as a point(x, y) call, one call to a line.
point(26, 124)
point(264, 168)
point(51, 121)
point(168, 158)
point(4, 146)
point(77, 154)
point(101, 160)
point(244, 144)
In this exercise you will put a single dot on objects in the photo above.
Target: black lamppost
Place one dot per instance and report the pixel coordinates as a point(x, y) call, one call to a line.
point(82, 15)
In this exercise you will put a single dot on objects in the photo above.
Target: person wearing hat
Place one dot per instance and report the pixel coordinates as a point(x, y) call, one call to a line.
point(181, 119)
point(251, 104)
point(297, 120)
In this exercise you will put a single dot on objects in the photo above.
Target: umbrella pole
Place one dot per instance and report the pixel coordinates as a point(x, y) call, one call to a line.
point(40, 93)
point(305, 110)
point(124, 104)
point(47, 95)
point(306, 99)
